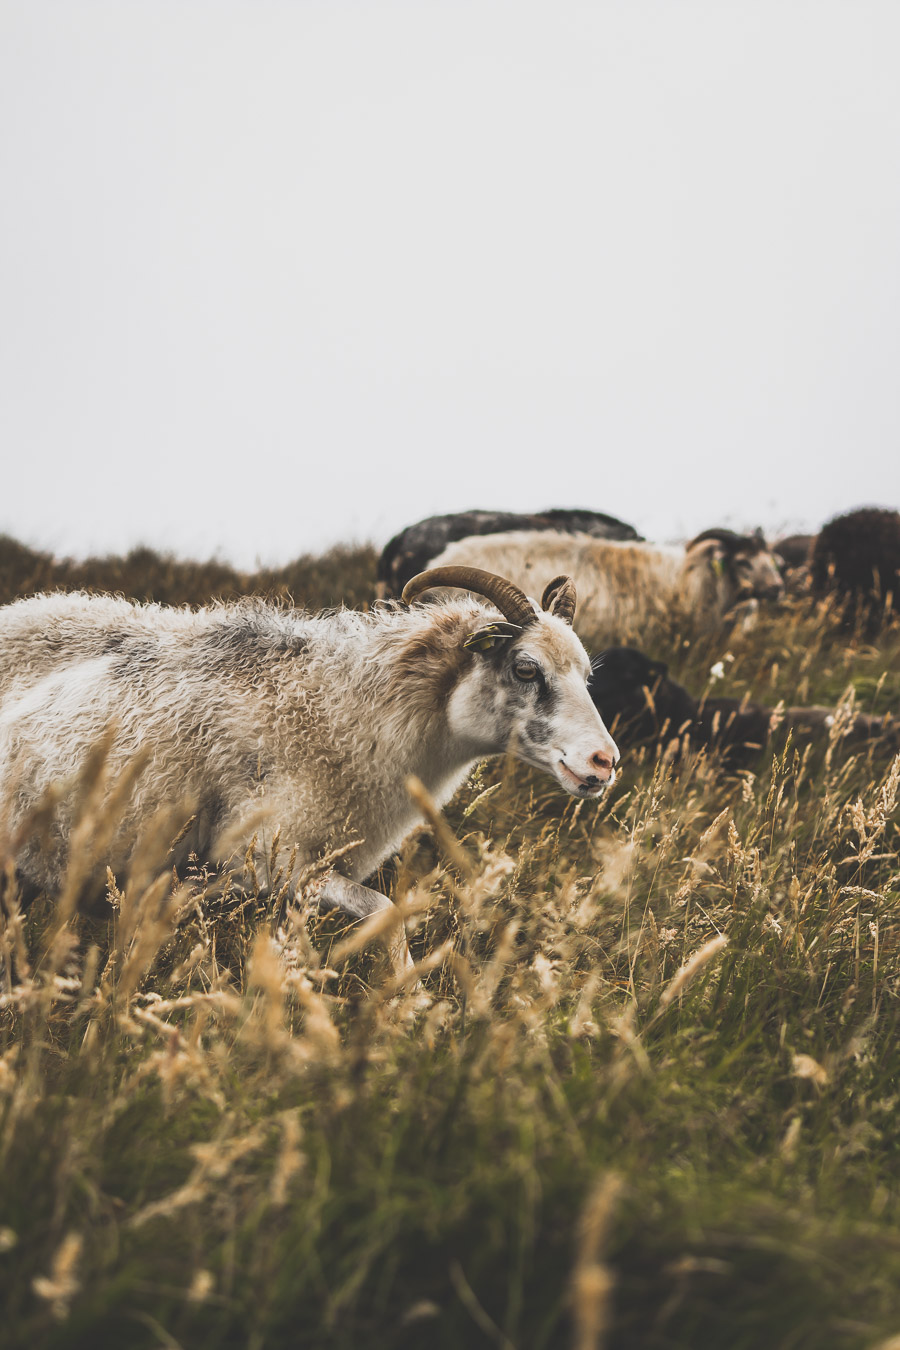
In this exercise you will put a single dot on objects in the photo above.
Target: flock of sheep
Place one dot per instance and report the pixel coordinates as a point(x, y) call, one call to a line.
point(322, 719)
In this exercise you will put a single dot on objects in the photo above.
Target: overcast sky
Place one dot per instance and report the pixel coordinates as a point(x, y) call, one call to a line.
point(274, 275)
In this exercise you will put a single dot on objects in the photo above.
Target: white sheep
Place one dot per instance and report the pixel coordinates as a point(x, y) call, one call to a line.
point(321, 717)
point(625, 587)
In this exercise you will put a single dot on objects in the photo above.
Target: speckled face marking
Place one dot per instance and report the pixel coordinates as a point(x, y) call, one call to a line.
point(530, 695)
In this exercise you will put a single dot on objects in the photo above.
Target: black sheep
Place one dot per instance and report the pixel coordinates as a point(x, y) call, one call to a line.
point(856, 557)
point(640, 704)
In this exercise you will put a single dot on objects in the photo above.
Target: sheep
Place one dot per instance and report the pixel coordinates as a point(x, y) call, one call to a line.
point(410, 551)
point(50, 631)
point(856, 558)
point(627, 586)
point(641, 703)
point(792, 553)
point(322, 718)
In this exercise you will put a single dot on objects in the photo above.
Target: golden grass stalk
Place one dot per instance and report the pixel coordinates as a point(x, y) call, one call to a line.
point(592, 1280)
point(447, 840)
point(691, 968)
point(61, 1286)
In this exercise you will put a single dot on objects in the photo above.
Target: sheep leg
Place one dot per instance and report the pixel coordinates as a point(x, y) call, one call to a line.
point(360, 902)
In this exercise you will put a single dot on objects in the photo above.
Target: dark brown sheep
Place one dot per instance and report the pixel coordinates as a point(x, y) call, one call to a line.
point(642, 704)
point(856, 558)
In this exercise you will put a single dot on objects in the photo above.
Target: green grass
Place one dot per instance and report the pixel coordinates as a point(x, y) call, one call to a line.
point(562, 1139)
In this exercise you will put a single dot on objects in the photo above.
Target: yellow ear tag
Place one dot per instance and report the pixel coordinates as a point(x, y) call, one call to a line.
point(480, 642)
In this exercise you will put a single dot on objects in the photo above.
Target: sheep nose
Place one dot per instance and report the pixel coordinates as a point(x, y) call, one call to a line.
point(603, 763)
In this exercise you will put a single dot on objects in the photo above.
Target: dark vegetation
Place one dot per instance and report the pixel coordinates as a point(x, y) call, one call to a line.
point(341, 576)
point(647, 1095)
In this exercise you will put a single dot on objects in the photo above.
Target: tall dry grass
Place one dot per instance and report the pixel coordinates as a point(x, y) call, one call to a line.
point(644, 1094)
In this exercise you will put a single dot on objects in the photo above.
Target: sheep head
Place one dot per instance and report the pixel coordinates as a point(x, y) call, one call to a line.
point(743, 561)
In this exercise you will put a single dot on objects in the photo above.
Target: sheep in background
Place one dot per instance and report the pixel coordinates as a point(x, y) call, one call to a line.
point(410, 551)
point(320, 718)
point(856, 558)
point(626, 587)
point(641, 703)
point(792, 553)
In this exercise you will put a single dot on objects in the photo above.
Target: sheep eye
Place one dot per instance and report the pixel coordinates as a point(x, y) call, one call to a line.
point(525, 670)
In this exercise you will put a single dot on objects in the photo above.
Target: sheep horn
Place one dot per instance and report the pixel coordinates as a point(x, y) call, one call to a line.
point(559, 599)
point(512, 603)
point(729, 538)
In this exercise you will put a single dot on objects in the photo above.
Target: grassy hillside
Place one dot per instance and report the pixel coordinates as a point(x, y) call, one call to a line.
point(341, 576)
point(646, 1096)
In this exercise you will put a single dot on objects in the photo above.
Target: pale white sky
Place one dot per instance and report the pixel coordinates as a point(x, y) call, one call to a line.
point(274, 275)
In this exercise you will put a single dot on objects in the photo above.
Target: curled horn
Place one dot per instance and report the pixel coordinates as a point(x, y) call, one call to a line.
point(559, 599)
point(512, 603)
point(721, 536)
point(731, 541)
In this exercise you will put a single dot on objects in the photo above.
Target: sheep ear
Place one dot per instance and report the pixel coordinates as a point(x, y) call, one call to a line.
point(559, 598)
point(485, 639)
